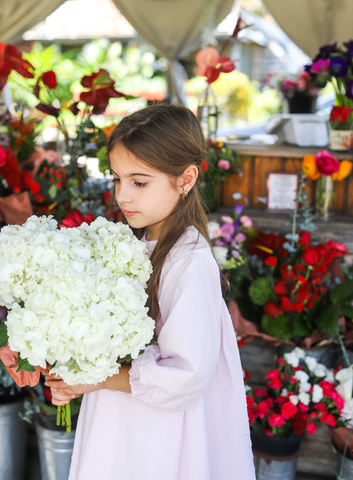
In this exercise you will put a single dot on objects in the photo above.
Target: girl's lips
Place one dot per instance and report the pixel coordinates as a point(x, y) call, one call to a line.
point(127, 213)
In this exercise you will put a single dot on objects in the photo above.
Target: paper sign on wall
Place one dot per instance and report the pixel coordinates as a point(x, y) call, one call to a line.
point(281, 191)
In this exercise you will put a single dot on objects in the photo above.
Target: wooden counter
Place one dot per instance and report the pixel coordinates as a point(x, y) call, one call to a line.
point(259, 160)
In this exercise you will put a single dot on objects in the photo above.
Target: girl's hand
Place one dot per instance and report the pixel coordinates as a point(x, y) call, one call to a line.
point(62, 393)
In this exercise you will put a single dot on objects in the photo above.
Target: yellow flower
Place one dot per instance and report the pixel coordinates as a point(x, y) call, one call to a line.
point(309, 167)
point(343, 172)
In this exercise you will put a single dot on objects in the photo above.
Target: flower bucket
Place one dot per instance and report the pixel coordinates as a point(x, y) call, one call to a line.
point(302, 103)
point(258, 358)
point(55, 447)
point(340, 139)
point(13, 439)
point(275, 458)
point(324, 354)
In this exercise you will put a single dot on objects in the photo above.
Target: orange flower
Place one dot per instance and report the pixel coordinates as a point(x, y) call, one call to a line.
point(109, 130)
point(309, 167)
point(343, 172)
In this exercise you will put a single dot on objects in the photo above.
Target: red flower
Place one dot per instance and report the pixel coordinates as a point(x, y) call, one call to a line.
point(301, 279)
point(304, 239)
point(101, 89)
point(326, 163)
point(340, 114)
point(276, 420)
point(241, 343)
point(260, 392)
point(327, 387)
point(265, 244)
point(29, 183)
point(48, 109)
point(211, 64)
point(287, 273)
point(11, 59)
point(47, 394)
point(311, 256)
point(262, 409)
point(49, 79)
point(249, 402)
point(288, 410)
point(297, 307)
point(204, 166)
point(271, 309)
point(246, 374)
point(271, 261)
point(330, 419)
point(107, 197)
point(286, 304)
point(75, 219)
point(280, 288)
point(311, 428)
point(321, 407)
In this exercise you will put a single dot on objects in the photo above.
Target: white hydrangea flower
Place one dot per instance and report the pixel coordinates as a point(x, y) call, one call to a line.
point(83, 294)
point(311, 363)
point(318, 393)
point(304, 398)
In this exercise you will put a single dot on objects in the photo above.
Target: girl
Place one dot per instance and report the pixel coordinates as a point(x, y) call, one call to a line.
point(178, 412)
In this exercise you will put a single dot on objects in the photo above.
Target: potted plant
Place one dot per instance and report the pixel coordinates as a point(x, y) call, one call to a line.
point(334, 64)
point(297, 397)
point(325, 169)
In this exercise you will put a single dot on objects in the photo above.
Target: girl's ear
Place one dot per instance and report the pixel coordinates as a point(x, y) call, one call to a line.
point(188, 178)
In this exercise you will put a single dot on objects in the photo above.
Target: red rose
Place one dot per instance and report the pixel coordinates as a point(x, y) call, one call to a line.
point(304, 238)
point(271, 309)
point(288, 410)
point(276, 420)
point(271, 261)
point(280, 288)
point(326, 163)
point(311, 256)
point(286, 304)
point(340, 114)
point(297, 307)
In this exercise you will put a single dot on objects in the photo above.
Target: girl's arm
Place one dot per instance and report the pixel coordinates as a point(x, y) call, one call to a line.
point(62, 393)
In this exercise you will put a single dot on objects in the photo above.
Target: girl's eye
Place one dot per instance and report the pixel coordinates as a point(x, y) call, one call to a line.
point(116, 180)
point(140, 184)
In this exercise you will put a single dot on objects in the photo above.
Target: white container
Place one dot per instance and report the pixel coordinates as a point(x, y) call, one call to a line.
point(305, 130)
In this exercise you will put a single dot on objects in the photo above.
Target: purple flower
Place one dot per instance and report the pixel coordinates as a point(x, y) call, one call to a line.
point(220, 243)
point(338, 67)
point(325, 51)
point(349, 89)
point(228, 230)
point(320, 66)
point(240, 237)
point(238, 209)
point(349, 47)
point(235, 254)
point(237, 224)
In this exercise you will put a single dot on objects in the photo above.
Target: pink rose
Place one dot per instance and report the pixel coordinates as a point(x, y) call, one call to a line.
point(224, 164)
point(320, 66)
point(227, 219)
point(246, 221)
point(326, 163)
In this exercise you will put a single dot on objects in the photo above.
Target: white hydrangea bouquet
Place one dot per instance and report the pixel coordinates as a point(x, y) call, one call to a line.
point(76, 298)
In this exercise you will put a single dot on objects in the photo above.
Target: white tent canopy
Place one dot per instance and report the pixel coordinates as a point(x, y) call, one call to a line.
point(313, 23)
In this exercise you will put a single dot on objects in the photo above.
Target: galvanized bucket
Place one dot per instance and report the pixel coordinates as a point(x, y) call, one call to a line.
point(55, 451)
point(275, 470)
point(13, 439)
point(347, 470)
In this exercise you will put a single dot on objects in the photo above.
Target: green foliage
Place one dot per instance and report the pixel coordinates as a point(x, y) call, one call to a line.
point(327, 321)
point(103, 165)
point(261, 290)
point(4, 339)
point(23, 364)
point(280, 327)
point(342, 293)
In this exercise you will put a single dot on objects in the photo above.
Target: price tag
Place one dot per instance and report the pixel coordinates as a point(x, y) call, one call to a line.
point(281, 191)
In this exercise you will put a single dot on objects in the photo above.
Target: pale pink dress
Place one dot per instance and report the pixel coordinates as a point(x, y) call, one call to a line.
point(186, 418)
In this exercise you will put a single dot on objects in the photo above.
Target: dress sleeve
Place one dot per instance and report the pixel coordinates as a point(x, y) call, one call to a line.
point(173, 373)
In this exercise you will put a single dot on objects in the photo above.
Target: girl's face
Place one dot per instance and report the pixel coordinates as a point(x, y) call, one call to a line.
point(146, 196)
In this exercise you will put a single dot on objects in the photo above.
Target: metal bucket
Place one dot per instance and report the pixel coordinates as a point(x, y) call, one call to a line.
point(13, 439)
point(275, 470)
point(55, 451)
point(347, 470)
point(258, 358)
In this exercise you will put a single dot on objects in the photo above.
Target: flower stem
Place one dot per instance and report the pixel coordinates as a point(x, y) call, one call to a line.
point(68, 418)
point(58, 415)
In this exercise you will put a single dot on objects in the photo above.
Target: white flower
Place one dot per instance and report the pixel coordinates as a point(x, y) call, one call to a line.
point(321, 371)
point(284, 392)
point(304, 398)
point(303, 377)
point(311, 363)
point(299, 352)
point(345, 378)
point(318, 393)
point(220, 254)
point(83, 294)
point(347, 413)
point(213, 228)
point(293, 357)
point(304, 387)
point(329, 376)
point(294, 399)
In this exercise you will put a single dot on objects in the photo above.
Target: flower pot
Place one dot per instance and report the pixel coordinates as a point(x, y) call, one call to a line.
point(324, 354)
point(340, 139)
point(55, 447)
point(13, 438)
point(275, 458)
point(324, 198)
point(302, 103)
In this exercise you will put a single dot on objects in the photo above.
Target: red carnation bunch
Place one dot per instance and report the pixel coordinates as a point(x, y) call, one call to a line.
point(18, 180)
point(295, 399)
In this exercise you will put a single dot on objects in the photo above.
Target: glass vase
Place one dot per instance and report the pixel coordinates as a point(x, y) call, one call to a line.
point(324, 198)
point(207, 113)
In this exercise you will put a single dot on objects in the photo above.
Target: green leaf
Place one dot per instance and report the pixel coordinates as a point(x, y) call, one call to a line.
point(52, 191)
point(342, 293)
point(301, 327)
point(327, 321)
point(346, 309)
point(4, 339)
point(23, 364)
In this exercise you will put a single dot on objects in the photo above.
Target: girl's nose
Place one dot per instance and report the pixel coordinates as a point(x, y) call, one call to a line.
point(123, 194)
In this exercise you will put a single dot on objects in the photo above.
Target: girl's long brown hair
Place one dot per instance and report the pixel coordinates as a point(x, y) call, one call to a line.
point(168, 138)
